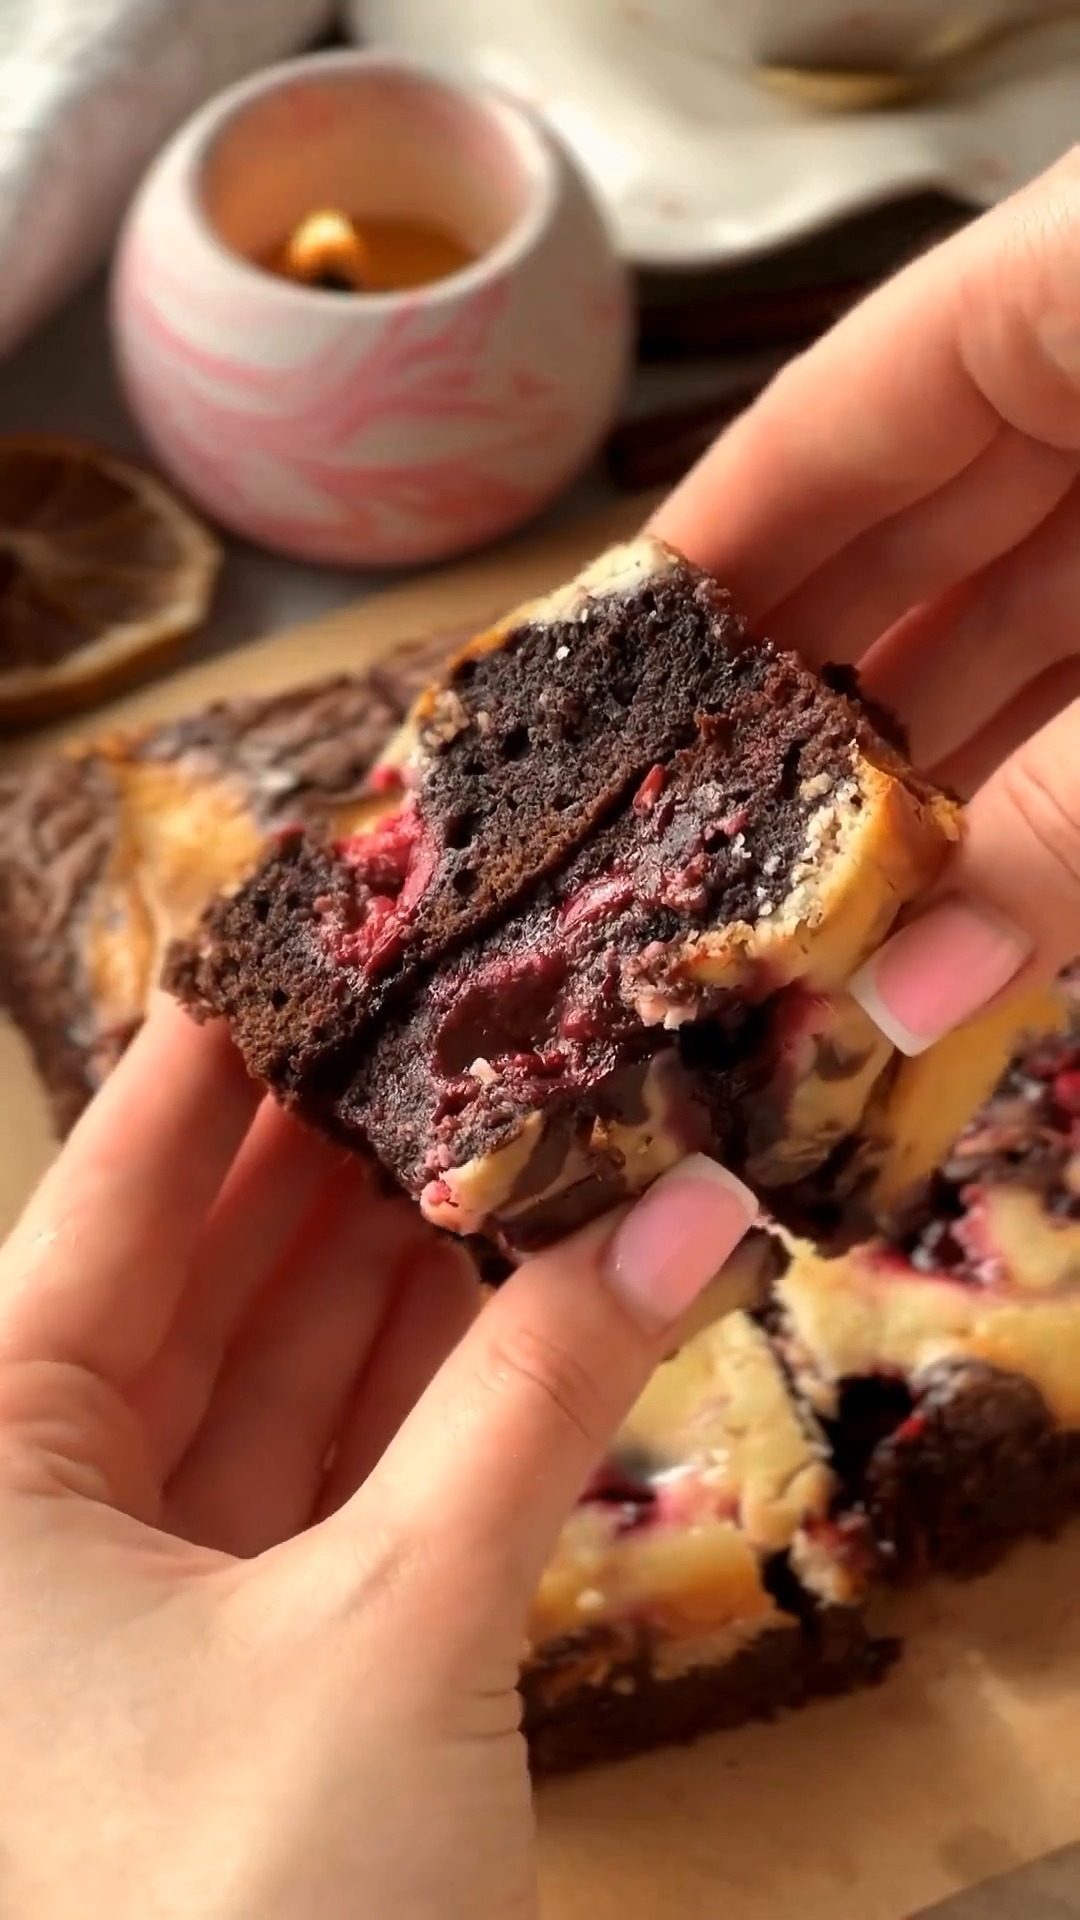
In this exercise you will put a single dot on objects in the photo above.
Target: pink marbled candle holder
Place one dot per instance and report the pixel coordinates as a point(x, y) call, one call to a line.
point(375, 429)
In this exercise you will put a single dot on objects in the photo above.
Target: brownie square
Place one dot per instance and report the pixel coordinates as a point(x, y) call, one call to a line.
point(630, 854)
point(702, 1581)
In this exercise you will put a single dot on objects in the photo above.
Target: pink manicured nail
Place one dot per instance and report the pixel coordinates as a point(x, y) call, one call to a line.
point(677, 1237)
point(934, 974)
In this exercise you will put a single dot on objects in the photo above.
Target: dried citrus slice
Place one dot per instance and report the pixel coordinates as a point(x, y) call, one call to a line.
point(101, 571)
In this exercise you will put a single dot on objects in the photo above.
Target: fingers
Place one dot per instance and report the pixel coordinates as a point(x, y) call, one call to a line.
point(907, 394)
point(93, 1272)
point(965, 770)
point(267, 1195)
point(952, 667)
point(493, 1456)
point(1011, 913)
point(920, 554)
point(252, 1476)
point(434, 1306)
point(876, 416)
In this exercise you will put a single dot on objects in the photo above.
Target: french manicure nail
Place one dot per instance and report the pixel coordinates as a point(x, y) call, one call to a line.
point(677, 1237)
point(937, 972)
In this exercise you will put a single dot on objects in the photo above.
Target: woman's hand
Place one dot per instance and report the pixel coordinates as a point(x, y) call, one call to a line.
point(274, 1501)
point(907, 495)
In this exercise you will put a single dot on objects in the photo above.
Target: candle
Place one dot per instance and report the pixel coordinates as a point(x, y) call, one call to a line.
point(331, 250)
point(373, 261)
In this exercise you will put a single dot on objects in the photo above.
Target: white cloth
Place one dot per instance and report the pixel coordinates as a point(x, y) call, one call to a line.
point(89, 90)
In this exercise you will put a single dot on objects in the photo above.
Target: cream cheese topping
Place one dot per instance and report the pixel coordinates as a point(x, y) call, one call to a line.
point(869, 1313)
point(737, 1475)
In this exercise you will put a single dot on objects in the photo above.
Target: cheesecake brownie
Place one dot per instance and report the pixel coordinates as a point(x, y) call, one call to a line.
point(945, 1359)
point(110, 850)
point(629, 856)
point(702, 1580)
point(879, 1182)
point(913, 1406)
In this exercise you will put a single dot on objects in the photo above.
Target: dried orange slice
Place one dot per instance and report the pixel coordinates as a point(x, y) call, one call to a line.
point(101, 571)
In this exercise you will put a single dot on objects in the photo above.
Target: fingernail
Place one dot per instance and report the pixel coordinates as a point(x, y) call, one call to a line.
point(937, 972)
point(677, 1237)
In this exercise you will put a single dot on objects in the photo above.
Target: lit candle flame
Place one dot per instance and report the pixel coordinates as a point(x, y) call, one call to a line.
point(326, 250)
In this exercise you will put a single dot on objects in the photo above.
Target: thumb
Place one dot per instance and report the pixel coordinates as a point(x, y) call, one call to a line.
point(491, 1459)
point(1008, 912)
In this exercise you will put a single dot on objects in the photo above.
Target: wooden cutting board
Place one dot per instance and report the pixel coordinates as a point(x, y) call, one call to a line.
point(964, 1765)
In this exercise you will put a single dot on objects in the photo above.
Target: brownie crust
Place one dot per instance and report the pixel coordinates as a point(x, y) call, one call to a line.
point(294, 1027)
point(630, 1708)
point(973, 1465)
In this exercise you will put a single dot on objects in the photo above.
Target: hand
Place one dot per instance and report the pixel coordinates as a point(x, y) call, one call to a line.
point(274, 1499)
point(907, 495)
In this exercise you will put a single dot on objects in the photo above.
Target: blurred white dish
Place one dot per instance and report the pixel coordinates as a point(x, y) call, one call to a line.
point(830, 32)
point(699, 164)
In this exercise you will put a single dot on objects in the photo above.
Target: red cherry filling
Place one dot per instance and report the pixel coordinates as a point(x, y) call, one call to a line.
point(596, 900)
point(575, 1029)
point(618, 1483)
point(501, 1011)
point(529, 1016)
point(384, 779)
point(846, 1537)
point(650, 790)
point(1066, 1092)
point(392, 864)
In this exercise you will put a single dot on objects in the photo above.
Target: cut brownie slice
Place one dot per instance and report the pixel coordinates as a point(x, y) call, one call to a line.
point(609, 923)
point(946, 1361)
point(702, 1581)
point(110, 850)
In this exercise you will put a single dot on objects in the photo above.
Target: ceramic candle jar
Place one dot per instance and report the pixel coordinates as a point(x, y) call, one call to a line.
point(384, 428)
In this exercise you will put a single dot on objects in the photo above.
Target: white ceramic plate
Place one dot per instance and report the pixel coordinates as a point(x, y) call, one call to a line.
point(698, 164)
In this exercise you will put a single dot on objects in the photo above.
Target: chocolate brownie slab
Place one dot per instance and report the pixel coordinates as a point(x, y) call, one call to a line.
point(606, 921)
point(945, 1360)
point(702, 1581)
point(110, 850)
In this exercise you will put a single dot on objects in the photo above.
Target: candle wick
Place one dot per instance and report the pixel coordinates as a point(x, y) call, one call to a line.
point(325, 250)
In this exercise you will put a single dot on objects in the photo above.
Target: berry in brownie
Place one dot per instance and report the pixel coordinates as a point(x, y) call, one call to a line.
point(606, 921)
